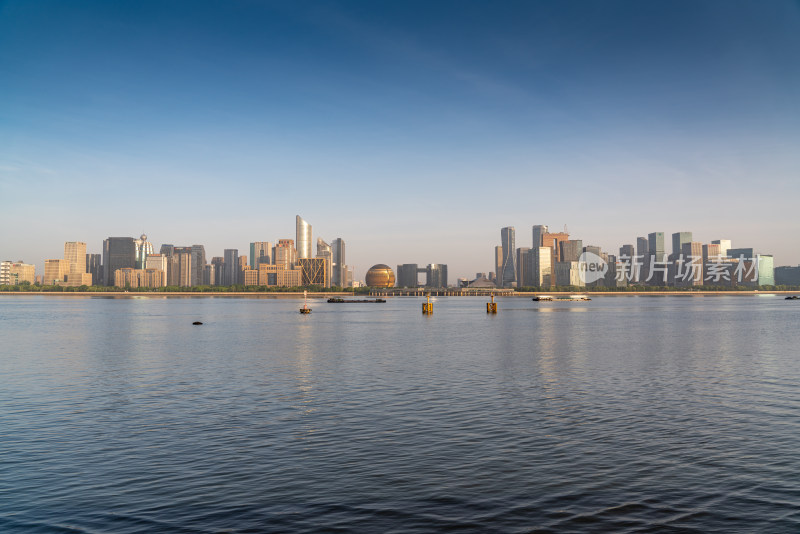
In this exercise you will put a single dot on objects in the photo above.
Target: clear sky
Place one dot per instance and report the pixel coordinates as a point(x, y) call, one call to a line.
point(413, 130)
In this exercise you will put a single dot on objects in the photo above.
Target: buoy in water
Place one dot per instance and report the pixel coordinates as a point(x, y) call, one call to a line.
point(427, 307)
point(491, 307)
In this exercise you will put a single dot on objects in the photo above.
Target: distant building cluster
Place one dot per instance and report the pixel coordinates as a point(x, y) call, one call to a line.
point(131, 262)
point(554, 260)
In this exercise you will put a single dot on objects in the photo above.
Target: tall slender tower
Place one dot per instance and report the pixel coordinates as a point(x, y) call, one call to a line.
point(303, 238)
point(509, 269)
point(339, 275)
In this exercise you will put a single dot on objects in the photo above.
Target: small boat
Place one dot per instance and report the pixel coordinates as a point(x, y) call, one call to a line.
point(792, 297)
point(543, 298)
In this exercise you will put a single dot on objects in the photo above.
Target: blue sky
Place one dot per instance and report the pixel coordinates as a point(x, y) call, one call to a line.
point(413, 130)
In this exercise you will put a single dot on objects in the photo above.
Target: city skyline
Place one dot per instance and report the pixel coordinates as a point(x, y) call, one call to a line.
point(414, 130)
point(552, 238)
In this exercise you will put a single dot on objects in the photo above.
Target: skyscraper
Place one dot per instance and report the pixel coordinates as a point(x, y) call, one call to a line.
point(325, 251)
point(303, 238)
point(75, 254)
point(642, 252)
point(538, 235)
point(55, 271)
point(143, 248)
point(655, 245)
point(655, 261)
point(436, 275)
point(118, 253)
point(94, 266)
point(260, 252)
point(678, 240)
point(571, 250)
point(498, 266)
point(338, 264)
point(230, 267)
point(523, 267)
point(218, 262)
point(407, 275)
point(542, 271)
point(724, 245)
point(284, 254)
point(198, 264)
point(508, 269)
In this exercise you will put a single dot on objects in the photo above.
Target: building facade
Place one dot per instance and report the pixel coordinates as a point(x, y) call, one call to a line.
point(508, 269)
point(118, 253)
point(302, 238)
point(260, 252)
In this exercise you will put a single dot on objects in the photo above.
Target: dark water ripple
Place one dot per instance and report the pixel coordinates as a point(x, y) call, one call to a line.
point(628, 414)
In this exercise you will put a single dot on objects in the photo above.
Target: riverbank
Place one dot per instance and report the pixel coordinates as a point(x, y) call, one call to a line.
point(337, 294)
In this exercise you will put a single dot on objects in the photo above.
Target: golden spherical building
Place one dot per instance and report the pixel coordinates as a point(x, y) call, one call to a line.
point(380, 276)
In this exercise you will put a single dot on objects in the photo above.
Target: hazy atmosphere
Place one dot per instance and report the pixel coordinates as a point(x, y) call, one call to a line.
point(413, 130)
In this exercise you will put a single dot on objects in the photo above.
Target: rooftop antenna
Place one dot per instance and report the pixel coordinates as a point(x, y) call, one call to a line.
point(566, 230)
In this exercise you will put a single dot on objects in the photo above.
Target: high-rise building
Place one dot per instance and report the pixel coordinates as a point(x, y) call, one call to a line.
point(218, 262)
point(260, 252)
point(642, 247)
point(134, 278)
point(787, 275)
point(498, 265)
point(642, 258)
point(143, 248)
point(118, 253)
point(711, 254)
point(678, 240)
point(231, 267)
point(303, 238)
point(568, 273)
point(655, 245)
point(541, 268)
point(209, 275)
point(571, 250)
point(724, 245)
point(627, 251)
point(19, 272)
point(185, 273)
point(284, 254)
point(198, 264)
point(690, 272)
point(55, 271)
point(338, 263)
point(538, 236)
point(94, 266)
point(407, 275)
point(243, 265)
point(554, 240)
point(766, 270)
point(325, 251)
point(5, 272)
point(523, 261)
point(75, 254)
point(656, 267)
point(158, 262)
point(314, 271)
point(748, 253)
point(436, 275)
point(508, 269)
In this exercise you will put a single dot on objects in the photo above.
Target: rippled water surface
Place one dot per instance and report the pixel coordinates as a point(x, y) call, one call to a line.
point(623, 414)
